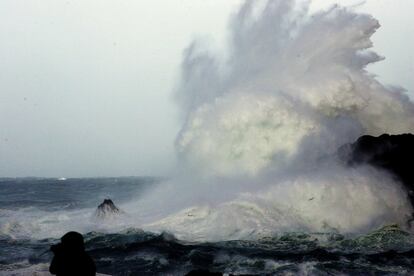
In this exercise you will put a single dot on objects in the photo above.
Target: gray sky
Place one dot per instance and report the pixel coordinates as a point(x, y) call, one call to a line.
point(86, 86)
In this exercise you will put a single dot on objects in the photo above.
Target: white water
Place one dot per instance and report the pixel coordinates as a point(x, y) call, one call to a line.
point(290, 79)
point(262, 127)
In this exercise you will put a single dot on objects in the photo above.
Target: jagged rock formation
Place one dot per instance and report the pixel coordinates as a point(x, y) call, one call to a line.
point(393, 153)
point(107, 209)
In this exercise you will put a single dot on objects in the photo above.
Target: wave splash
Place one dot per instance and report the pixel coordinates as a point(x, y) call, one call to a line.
point(290, 77)
point(262, 126)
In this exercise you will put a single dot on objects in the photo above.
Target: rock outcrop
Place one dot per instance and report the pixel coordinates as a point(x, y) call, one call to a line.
point(107, 209)
point(393, 153)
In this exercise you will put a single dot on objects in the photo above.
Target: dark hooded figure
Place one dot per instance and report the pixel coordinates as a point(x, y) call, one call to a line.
point(70, 257)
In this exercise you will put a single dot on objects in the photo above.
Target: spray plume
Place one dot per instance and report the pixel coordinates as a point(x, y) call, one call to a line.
point(263, 125)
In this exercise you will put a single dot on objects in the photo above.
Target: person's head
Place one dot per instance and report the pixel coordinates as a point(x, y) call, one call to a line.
point(73, 241)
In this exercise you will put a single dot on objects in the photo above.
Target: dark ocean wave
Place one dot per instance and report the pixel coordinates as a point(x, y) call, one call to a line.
point(387, 251)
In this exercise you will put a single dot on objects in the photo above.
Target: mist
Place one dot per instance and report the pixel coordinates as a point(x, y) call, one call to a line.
point(85, 87)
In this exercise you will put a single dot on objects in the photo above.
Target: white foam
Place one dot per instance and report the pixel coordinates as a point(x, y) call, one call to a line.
point(290, 75)
point(263, 125)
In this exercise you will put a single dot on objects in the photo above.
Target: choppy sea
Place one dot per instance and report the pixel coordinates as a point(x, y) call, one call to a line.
point(132, 251)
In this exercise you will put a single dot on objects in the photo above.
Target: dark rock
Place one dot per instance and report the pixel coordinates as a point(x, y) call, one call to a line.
point(202, 272)
point(393, 153)
point(107, 209)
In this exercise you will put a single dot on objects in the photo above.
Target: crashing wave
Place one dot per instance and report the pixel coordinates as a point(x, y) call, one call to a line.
point(262, 128)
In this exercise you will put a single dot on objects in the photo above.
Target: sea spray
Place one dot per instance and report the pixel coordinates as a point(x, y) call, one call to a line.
point(262, 128)
point(288, 77)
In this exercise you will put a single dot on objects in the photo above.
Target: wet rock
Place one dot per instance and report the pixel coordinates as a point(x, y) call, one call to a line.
point(392, 153)
point(107, 209)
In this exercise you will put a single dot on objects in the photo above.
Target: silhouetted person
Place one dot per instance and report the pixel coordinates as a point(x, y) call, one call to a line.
point(70, 257)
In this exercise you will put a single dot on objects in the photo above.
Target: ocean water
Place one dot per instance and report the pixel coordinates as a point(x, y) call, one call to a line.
point(133, 251)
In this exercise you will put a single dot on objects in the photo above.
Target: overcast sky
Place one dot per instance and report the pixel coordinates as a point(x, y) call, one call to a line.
point(86, 86)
